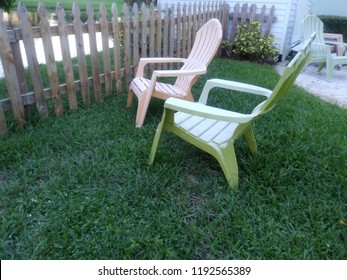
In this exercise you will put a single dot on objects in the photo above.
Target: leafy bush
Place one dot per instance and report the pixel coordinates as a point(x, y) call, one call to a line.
point(251, 44)
point(335, 24)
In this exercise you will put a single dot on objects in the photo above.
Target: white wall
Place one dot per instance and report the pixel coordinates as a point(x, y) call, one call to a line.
point(303, 8)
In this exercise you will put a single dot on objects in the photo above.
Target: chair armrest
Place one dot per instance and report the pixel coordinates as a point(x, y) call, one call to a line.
point(146, 60)
point(231, 85)
point(177, 73)
point(198, 109)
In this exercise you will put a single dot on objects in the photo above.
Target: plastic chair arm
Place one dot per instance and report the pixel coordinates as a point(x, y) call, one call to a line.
point(198, 109)
point(171, 73)
point(147, 60)
point(176, 73)
point(231, 85)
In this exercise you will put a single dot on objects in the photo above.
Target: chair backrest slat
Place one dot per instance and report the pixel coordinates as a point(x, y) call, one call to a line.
point(207, 41)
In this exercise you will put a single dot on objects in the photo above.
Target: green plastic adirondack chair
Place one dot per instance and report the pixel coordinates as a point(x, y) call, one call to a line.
point(215, 130)
point(321, 50)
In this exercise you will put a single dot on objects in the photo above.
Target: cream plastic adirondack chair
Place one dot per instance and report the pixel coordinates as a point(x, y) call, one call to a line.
point(321, 49)
point(215, 130)
point(205, 46)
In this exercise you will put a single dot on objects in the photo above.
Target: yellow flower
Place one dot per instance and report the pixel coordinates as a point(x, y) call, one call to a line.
point(342, 222)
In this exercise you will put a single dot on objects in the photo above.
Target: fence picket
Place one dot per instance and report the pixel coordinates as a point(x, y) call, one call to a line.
point(244, 13)
point(152, 30)
point(224, 13)
point(159, 33)
point(81, 57)
point(50, 60)
point(144, 30)
point(203, 18)
point(179, 31)
point(93, 52)
point(235, 21)
point(210, 13)
point(18, 62)
point(116, 48)
point(33, 64)
point(66, 55)
point(190, 28)
point(199, 12)
point(172, 33)
point(261, 16)
point(105, 49)
point(166, 34)
point(194, 21)
point(269, 20)
point(127, 54)
point(184, 30)
point(252, 12)
point(136, 56)
point(11, 80)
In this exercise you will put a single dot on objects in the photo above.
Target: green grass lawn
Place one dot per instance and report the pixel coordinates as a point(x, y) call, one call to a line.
point(80, 187)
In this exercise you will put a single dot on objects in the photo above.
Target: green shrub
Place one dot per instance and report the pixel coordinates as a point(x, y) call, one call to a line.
point(251, 44)
point(335, 24)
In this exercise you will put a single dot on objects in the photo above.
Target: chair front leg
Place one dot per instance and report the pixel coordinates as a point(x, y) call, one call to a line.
point(158, 134)
point(228, 162)
point(143, 102)
point(250, 139)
